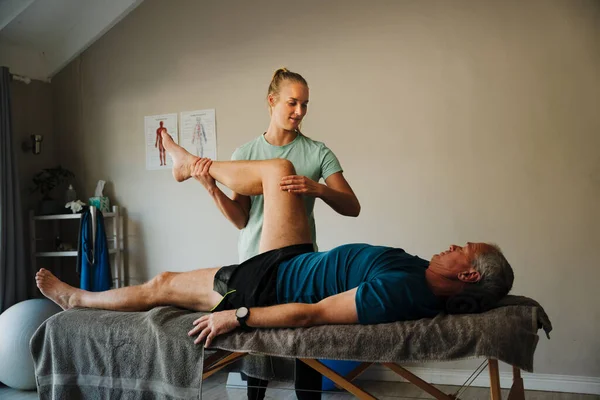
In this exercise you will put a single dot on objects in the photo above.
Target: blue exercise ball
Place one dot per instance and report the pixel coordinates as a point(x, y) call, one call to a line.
point(17, 325)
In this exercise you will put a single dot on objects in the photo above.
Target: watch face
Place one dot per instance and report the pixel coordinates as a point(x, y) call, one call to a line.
point(241, 312)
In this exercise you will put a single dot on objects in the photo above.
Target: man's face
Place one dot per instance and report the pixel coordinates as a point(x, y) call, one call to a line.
point(457, 261)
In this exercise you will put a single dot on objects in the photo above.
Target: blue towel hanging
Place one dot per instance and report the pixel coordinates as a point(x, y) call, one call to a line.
point(93, 263)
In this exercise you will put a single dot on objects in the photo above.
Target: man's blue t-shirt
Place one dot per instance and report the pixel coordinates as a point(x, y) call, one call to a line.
point(391, 283)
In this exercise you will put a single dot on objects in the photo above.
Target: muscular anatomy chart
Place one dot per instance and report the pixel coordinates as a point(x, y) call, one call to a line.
point(156, 157)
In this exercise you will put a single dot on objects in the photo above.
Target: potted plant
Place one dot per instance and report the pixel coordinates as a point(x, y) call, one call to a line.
point(44, 182)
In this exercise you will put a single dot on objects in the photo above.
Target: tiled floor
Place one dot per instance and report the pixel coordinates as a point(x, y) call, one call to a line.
point(382, 390)
point(215, 389)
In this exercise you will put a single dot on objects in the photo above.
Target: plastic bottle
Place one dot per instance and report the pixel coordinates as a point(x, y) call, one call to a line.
point(70, 194)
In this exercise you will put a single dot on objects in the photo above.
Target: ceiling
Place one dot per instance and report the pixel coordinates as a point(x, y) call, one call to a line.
point(39, 37)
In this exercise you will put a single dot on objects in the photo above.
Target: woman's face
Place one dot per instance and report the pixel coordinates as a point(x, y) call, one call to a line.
point(288, 110)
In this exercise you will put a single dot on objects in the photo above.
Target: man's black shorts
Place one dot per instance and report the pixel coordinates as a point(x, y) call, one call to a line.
point(253, 283)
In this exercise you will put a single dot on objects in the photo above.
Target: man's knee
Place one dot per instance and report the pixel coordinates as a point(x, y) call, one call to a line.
point(159, 288)
point(161, 281)
point(282, 167)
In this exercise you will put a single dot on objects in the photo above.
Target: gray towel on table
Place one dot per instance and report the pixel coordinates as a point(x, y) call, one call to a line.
point(97, 354)
point(86, 353)
point(508, 333)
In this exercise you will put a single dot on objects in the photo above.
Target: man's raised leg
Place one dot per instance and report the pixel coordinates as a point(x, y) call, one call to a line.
point(285, 222)
point(192, 290)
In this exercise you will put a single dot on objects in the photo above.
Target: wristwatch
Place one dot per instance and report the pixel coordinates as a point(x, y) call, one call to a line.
point(242, 315)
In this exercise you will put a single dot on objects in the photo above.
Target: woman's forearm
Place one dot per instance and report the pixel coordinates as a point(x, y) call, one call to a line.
point(344, 203)
point(231, 209)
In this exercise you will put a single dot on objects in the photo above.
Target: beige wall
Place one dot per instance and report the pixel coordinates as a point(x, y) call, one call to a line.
point(453, 121)
point(32, 114)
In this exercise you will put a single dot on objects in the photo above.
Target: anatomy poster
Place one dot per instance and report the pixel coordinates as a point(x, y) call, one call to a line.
point(156, 156)
point(198, 133)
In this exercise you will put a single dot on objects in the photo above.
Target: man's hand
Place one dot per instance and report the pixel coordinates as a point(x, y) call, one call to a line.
point(212, 325)
point(299, 184)
point(200, 173)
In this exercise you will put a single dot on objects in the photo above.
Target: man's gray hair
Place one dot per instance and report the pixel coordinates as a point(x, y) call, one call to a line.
point(496, 273)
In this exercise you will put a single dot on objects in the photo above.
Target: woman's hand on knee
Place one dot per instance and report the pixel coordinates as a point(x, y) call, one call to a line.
point(212, 325)
point(299, 184)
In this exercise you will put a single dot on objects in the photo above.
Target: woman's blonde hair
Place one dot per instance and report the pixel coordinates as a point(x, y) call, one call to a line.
point(280, 76)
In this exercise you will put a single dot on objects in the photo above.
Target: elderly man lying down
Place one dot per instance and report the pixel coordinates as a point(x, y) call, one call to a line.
point(290, 285)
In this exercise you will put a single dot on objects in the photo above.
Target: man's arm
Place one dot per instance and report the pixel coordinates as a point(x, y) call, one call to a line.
point(338, 309)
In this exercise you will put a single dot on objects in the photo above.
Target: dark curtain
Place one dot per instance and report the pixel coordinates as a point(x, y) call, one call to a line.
point(13, 274)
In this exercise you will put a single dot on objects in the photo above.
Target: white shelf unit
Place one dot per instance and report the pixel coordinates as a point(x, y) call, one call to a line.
point(116, 239)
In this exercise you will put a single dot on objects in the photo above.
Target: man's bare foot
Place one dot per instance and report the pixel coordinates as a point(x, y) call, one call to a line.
point(55, 289)
point(183, 161)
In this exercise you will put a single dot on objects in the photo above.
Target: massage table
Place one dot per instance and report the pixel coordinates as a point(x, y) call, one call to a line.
point(88, 353)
